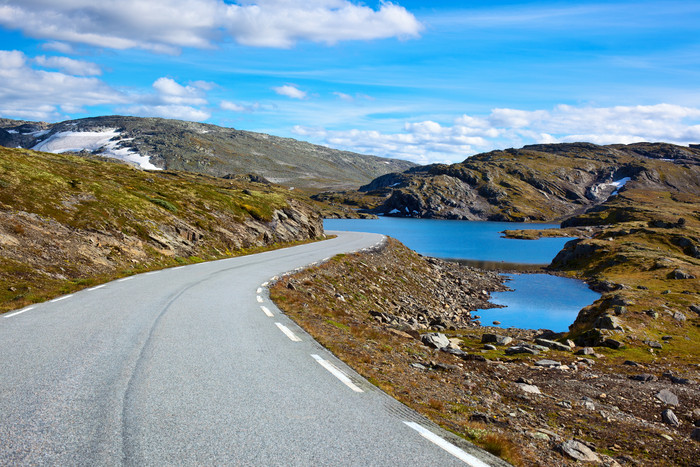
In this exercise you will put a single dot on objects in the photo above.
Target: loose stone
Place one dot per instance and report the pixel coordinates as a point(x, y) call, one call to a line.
point(667, 397)
point(578, 451)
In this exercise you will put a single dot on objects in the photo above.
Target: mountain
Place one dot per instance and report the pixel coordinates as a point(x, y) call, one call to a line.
point(68, 222)
point(545, 182)
point(156, 143)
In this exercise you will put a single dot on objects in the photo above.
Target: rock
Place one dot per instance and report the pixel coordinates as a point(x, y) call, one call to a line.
point(456, 352)
point(678, 316)
point(419, 366)
point(612, 343)
point(578, 451)
point(681, 274)
point(654, 344)
point(588, 405)
point(607, 322)
point(398, 333)
point(695, 309)
point(585, 351)
point(677, 380)
point(644, 377)
point(529, 388)
point(631, 363)
point(521, 349)
point(670, 418)
point(435, 339)
point(667, 397)
point(446, 367)
point(496, 323)
point(552, 344)
point(547, 363)
point(695, 434)
point(481, 417)
point(489, 347)
point(495, 338)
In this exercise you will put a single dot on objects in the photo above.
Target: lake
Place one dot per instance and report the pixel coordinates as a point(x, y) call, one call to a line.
point(539, 301)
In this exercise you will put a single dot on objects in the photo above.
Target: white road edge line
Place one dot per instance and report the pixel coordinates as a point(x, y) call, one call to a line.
point(293, 337)
point(97, 287)
point(267, 311)
point(61, 298)
point(336, 372)
point(126, 279)
point(10, 315)
point(447, 446)
point(179, 267)
point(259, 299)
point(152, 272)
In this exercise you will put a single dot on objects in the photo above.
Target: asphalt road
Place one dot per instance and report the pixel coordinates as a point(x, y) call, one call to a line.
point(195, 366)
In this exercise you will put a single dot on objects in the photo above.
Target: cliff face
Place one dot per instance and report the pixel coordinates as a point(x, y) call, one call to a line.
point(536, 183)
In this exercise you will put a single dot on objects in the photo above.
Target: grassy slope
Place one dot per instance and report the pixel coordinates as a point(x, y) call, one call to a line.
point(72, 221)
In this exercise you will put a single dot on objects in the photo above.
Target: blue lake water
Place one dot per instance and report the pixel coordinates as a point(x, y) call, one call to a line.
point(539, 301)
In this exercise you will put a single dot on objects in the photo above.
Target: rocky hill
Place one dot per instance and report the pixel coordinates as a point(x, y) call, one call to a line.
point(156, 143)
point(68, 222)
point(535, 183)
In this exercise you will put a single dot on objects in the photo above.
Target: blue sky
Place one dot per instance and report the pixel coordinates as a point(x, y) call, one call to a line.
point(426, 81)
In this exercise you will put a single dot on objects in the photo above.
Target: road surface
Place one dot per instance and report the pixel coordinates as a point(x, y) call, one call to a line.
point(195, 366)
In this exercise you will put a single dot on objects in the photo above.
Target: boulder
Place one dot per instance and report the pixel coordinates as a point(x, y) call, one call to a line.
point(578, 451)
point(681, 274)
point(670, 418)
point(489, 338)
point(585, 351)
point(547, 363)
point(607, 322)
point(435, 339)
point(645, 377)
point(521, 349)
point(529, 388)
point(667, 397)
point(552, 344)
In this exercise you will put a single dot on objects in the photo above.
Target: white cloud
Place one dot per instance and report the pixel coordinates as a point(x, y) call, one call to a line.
point(166, 26)
point(233, 107)
point(428, 141)
point(172, 100)
point(38, 94)
point(290, 91)
point(69, 65)
point(29, 92)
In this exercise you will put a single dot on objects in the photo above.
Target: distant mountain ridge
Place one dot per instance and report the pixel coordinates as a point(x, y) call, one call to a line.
point(156, 143)
point(545, 182)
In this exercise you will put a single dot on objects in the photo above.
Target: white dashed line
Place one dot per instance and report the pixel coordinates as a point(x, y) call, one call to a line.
point(61, 298)
point(293, 337)
point(266, 311)
point(337, 373)
point(126, 279)
point(97, 287)
point(449, 447)
point(10, 315)
point(259, 298)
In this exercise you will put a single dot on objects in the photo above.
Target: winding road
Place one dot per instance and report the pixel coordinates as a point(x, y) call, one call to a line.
point(195, 366)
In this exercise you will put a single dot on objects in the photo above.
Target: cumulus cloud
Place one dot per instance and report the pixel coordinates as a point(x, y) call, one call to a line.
point(428, 141)
point(31, 92)
point(169, 25)
point(37, 94)
point(290, 91)
point(234, 107)
point(69, 65)
point(173, 100)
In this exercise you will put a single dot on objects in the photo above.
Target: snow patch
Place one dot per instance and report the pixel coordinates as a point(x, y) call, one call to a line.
point(104, 143)
point(394, 211)
point(14, 132)
point(618, 184)
point(38, 134)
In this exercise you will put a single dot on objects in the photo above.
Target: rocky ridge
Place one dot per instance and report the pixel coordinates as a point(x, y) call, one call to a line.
point(536, 183)
point(202, 148)
point(67, 222)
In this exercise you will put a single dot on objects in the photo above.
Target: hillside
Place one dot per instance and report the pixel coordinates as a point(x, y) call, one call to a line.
point(67, 222)
point(535, 183)
point(156, 143)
